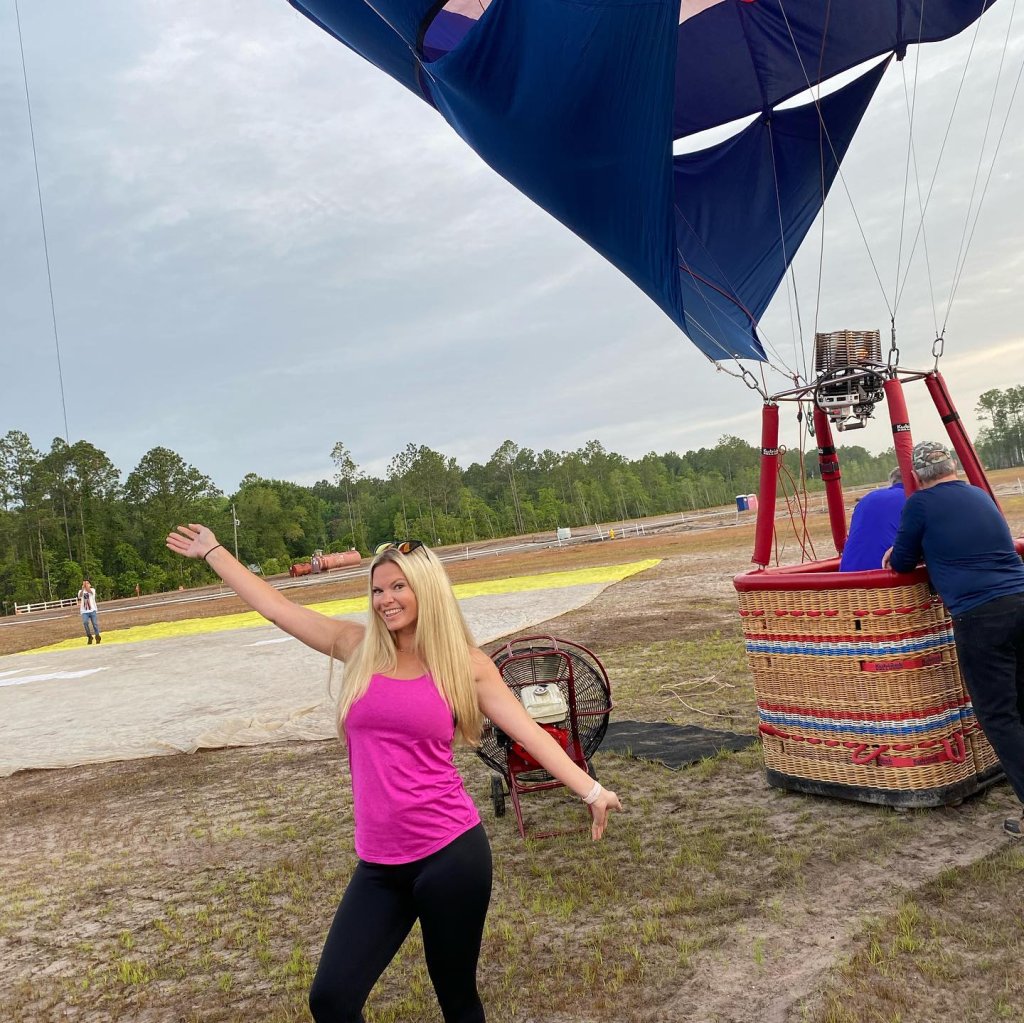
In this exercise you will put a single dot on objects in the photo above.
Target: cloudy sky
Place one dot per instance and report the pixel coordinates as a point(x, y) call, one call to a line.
point(261, 245)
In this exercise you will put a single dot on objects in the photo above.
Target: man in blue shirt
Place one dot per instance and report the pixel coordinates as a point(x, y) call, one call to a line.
point(873, 525)
point(972, 562)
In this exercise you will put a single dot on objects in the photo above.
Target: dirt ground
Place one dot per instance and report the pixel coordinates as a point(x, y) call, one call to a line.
point(102, 864)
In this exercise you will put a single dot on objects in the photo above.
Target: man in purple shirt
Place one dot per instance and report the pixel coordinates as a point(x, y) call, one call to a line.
point(972, 562)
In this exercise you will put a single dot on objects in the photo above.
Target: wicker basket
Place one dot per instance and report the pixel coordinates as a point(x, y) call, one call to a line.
point(858, 690)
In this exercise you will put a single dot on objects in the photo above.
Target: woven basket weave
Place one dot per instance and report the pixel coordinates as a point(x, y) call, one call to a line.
point(858, 690)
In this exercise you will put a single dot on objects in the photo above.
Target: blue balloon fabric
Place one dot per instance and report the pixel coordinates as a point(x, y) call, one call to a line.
point(578, 103)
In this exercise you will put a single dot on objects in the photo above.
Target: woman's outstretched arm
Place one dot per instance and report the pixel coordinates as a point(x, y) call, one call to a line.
point(498, 703)
point(328, 635)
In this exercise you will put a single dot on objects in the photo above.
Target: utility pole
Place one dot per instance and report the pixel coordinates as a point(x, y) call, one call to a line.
point(234, 519)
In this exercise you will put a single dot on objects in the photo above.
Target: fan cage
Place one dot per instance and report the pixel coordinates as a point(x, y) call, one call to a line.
point(582, 681)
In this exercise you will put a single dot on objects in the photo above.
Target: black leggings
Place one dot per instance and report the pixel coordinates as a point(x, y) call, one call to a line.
point(447, 891)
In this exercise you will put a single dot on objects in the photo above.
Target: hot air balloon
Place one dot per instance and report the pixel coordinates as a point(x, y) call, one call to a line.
point(580, 106)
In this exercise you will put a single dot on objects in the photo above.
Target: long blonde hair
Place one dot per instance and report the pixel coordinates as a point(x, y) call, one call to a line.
point(443, 642)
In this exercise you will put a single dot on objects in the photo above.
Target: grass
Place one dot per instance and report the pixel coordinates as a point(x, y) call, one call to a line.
point(201, 887)
point(231, 922)
point(955, 944)
point(686, 681)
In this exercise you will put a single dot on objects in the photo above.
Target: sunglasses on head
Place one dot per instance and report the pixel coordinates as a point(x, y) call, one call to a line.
point(402, 546)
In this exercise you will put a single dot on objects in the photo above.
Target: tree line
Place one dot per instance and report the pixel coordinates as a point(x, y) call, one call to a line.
point(66, 513)
point(1001, 441)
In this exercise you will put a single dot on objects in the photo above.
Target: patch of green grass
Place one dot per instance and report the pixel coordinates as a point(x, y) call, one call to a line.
point(687, 681)
point(958, 940)
point(132, 971)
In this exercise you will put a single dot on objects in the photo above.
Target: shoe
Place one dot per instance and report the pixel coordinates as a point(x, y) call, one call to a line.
point(1014, 826)
point(99, 639)
point(89, 638)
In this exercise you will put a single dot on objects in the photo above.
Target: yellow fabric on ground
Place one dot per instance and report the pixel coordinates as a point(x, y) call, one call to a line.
point(354, 605)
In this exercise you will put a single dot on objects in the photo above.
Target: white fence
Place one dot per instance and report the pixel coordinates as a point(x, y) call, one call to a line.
point(45, 605)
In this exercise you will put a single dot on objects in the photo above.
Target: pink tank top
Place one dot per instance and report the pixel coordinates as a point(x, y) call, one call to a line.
point(408, 798)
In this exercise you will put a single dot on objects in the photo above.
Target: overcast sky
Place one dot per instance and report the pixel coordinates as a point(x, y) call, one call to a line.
point(261, 245)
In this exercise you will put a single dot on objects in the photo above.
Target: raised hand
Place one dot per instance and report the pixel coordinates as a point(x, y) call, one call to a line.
point(192, 541)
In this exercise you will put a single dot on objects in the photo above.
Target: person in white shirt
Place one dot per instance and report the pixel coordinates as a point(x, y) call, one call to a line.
point(90, 617)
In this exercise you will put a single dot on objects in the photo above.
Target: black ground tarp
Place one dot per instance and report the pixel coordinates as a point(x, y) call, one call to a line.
point(674, 746)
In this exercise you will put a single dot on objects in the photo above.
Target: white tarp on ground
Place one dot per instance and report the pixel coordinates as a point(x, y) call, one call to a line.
point(122, 701)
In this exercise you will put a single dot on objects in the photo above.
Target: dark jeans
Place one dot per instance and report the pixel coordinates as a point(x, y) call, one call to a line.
point(447, 891)
point(990, 648)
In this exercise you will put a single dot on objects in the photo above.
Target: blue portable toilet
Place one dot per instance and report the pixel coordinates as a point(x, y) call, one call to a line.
point(741, 502)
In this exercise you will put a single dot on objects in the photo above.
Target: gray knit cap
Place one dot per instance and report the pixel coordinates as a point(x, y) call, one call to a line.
point(929, 452)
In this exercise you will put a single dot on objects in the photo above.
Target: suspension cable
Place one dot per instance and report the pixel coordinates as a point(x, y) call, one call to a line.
point(799, 349)
point(49, 283)
point(912, 107)
point(964, 247)
point(835, 156)
point(684, 265)
point(920, 207)
point(942, 148)
point(42, 224)
point(821, 184)
point(745, 375)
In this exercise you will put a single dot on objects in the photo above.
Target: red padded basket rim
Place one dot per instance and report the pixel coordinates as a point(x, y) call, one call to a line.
point(825, 575)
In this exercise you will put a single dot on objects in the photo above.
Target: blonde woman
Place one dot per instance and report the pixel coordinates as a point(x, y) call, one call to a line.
point(414, 684)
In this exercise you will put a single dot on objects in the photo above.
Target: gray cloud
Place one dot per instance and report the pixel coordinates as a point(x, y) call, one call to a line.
point(261, 245)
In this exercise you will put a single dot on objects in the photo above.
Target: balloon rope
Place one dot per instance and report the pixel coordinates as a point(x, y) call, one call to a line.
point(793, 299)
point(964, 247)
point(911, 109)
point(42, 223)
point(920, 211)
point(835, 156)
point(938, 159)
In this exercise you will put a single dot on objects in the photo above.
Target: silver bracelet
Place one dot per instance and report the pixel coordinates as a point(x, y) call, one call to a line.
point(591, 796)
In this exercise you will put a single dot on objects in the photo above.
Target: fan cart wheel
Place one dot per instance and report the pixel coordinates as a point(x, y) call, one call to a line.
point(498, 795)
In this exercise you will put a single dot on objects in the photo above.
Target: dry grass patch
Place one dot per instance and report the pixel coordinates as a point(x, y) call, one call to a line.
point(215, 893)
point(695, 681)
point(955, 944)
